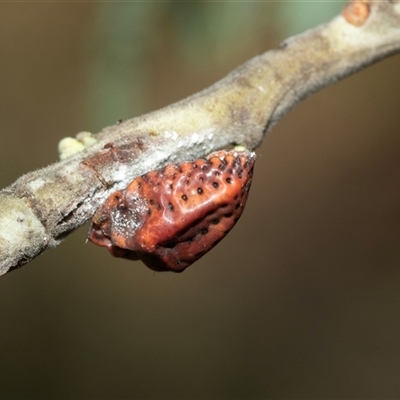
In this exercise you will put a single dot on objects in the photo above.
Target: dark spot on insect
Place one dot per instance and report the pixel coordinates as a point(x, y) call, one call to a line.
point(184, 197)
point(228, 180)
point(215, 184)
point(215, 221)
point(217, 173)
point(230, 171)
point(222, 166)
point(194, 165)
point(171, 186)
point(187, 182)
point(237, 206)
point(204, 231)
point(158, 206)
point(121, 208)
point(236, 197)
point(199, 190)
point(224, 205)
point(151, 201)
point(228, 215)
point(139, 185)
point(170, 207)
point(149, 211)
point(204, 167)
point(169, 244)
point(189, 174)
point(201, 179)
point(146, 177)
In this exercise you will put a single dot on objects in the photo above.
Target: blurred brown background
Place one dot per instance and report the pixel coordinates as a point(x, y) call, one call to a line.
point(300, 300)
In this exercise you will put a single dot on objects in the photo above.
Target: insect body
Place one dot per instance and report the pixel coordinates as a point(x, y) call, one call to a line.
point(170, 217)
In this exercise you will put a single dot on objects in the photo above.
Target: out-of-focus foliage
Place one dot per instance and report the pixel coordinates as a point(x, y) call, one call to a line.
point(297, 16)
point(121, 41)
point(208, 30)
point(126, 37)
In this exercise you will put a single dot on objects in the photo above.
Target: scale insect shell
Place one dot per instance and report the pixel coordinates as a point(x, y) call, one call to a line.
point(170, 217)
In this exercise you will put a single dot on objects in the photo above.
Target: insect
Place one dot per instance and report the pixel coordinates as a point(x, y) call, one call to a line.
point(170, 217)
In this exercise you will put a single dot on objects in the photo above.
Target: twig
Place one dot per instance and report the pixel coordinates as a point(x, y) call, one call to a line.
point(44, 206)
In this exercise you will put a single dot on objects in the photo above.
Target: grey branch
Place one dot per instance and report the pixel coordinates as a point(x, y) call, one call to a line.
point(43, 207)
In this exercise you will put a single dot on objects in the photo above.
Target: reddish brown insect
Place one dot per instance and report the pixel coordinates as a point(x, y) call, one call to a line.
point(170, 217)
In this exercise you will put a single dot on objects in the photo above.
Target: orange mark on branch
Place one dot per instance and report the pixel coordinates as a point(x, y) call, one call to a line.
point(357, 12)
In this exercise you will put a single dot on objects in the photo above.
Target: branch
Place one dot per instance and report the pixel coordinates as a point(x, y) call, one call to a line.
point(44, 206)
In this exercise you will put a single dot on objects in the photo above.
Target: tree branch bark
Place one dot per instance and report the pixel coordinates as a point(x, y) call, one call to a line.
point(43, 207)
